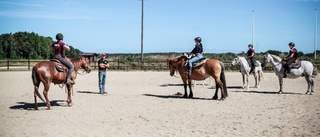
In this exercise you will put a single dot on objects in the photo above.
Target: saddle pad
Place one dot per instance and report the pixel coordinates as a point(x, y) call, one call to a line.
point(199, 62)
point(296, 65)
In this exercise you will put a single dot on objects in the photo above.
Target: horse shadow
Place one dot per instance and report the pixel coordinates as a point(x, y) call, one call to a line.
point(268, 92)
point(30, 106)
point(171, 85)
point(174, 97)
point(88, 92)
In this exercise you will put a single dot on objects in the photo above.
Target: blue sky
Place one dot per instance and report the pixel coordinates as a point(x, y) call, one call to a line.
point(114, 26)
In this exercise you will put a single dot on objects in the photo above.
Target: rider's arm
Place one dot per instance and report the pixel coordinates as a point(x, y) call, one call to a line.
point(66, 47)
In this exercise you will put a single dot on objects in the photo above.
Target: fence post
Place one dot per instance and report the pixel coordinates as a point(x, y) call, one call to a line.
point(28, 63)
point(118, 63)
point(7, 63)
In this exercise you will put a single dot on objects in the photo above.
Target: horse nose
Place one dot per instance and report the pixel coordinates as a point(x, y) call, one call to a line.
point(171, 74)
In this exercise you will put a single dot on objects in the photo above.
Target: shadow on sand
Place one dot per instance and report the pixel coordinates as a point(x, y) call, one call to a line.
point(30, 106)
point(269, 92)
point(88, 92)
point(175, 96)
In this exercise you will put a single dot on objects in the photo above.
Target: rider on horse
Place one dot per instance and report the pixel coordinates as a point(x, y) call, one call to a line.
point(250, 57)
point(290, 59)
point(59, 54)
point(196, 52)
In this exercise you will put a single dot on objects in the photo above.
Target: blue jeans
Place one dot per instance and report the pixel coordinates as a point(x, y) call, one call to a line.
point(102, 81)
point(194, 59)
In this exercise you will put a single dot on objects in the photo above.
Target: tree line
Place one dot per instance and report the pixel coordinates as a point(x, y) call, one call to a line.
point(29, 45)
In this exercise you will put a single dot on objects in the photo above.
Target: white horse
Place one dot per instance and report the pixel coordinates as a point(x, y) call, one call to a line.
point(245, 69)
point(305, 70)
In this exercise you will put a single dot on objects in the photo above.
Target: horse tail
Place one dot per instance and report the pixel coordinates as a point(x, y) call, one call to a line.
point(223, 79)
point(315, 71)
point(36, 83)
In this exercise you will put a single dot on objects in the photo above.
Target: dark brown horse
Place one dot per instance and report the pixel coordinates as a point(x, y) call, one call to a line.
point(211, 67)
point(46, 73)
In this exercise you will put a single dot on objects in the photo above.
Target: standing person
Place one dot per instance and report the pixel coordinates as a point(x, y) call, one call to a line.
point(291, 58)
point(196, 52)
point(250, 57)
point(103, 65)
point(59, 47)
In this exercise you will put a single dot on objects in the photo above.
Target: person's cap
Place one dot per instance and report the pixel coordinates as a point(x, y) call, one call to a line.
point(103, 54)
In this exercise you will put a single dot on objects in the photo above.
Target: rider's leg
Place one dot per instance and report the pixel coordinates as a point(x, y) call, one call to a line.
point(70, 68)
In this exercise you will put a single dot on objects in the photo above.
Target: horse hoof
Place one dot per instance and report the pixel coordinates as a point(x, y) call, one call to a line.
point(280, 92)
point(69, 104)
point(214, 98)
point(185, 96)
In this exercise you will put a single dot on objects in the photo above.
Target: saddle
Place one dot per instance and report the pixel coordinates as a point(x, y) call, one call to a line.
point(59, 66)
point(199, 62)
point(295, 65)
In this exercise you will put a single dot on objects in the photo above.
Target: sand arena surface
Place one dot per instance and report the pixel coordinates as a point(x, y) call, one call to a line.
point(145, 104)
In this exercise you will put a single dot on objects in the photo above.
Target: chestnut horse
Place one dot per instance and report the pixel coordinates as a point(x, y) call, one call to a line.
point(46, 72)
point(211, 67)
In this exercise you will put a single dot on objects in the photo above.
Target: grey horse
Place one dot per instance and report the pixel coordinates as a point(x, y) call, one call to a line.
point(305, 70)
point(245, 69)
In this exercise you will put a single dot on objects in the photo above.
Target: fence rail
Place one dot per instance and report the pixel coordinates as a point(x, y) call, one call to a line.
point(114, 65)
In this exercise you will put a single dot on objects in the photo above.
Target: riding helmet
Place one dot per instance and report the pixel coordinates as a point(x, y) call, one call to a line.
point(59, 36)
point(250, 45)
point(291, 44)
point(198, 39)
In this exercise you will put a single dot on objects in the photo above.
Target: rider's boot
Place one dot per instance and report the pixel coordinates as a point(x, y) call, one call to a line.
point(69, 80)
point(285, 73)
point(189, 71)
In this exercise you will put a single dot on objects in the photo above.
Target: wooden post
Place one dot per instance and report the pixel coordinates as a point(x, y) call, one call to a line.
point(28, 63)
point(118, 63)
point(7, 63)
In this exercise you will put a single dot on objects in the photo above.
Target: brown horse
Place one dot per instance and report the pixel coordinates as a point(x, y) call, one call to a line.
point(46, 73)
point(211, 67)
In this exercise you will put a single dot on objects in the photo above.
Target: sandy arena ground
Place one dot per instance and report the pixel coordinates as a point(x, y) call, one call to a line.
point(145, 104)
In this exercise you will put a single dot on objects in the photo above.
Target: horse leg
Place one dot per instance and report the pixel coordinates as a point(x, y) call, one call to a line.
point(218, 85)
point(36, 88)
point(312, 86)
point(45, 93)
point(190, 88)
point(280, 83)
point(256, 79)
point(247, 79)
point(243, 80)
point(259, 78)
point(69, 100)
point(309, 79)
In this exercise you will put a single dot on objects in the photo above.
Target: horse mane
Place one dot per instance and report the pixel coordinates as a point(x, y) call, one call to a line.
point(278, 59)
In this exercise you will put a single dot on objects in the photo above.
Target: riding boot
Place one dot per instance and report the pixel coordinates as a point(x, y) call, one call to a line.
point(189, 71)
point(285, 73)
point(252, 70)
point(69, 80)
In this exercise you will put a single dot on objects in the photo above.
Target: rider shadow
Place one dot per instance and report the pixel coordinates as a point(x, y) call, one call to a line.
point(30, 106)
point(269, 92)
point(88, 92)
point(174, 96)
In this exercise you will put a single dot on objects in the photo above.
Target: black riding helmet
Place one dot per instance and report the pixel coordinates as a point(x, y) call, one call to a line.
point(250, 45)
point(198, 39)
point(59, 36)
point(291, 44)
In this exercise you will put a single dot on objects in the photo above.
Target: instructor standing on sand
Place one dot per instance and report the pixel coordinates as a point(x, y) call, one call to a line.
point(103, 65)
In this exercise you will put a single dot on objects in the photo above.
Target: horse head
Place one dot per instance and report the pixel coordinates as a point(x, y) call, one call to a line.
point(176, 63)
point(235, 61)
point(85, 64)
point(266, 59)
